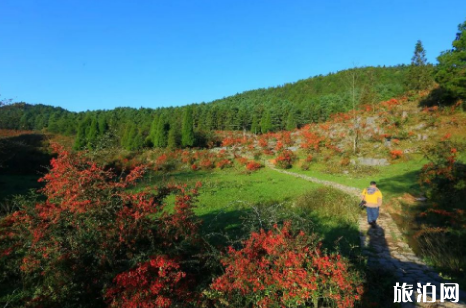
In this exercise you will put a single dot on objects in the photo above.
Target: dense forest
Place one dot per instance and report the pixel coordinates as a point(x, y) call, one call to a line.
point(258, 111)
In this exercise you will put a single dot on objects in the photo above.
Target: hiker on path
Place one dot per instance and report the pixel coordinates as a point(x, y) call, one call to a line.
point(373, 200)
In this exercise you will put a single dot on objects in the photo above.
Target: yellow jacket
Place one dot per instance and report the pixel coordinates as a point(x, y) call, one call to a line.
point(373, 197)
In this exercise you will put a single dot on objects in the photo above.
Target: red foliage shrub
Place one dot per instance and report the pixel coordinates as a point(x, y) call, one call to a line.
point(279, 146)
point(309, 158)
point(285, 159)
point(253, 166)
point(158, 282)
point(395, 154)
point(89, 228)
point(224, 163)
point(206, 164)
point(280, 269)
point(263, 143)
point(242, 160)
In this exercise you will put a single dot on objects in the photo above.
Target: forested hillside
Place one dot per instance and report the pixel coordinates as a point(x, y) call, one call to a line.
point(259, 111)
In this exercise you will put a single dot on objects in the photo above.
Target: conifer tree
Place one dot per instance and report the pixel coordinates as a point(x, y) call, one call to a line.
point(93, 134)
point(187, 129)
point(160, 139)
point(451, 68)
point(255, 128)
point(266, 122)
point(420, 72)
point(173, 137)
point(81, 136)
point(291, 121)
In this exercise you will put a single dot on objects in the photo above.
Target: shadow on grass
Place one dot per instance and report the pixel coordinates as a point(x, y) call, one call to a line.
point(400, 184)
point(223, 228)
point(24, 159)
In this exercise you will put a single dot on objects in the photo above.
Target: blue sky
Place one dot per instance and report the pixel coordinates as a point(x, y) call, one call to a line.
point(83, 54)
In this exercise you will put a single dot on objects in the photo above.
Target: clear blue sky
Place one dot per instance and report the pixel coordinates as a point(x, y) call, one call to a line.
point(95, 54)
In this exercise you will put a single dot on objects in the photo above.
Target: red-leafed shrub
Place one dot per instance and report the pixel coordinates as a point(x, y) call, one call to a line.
point(280, 269)
point(224, 163)
point(194, 167)
point(242, 160)
point(279, 146)
point(206, 164)
point(158, 282)
point(91, 227)
point(285, 159)
point(253, 166)
point(263, 143)
point(395, 154)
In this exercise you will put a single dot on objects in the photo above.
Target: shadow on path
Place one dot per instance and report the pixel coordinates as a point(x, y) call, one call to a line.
point(386, 251)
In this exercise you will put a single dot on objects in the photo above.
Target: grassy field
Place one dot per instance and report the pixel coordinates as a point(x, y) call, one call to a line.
point(393, 180)
point(229, 199)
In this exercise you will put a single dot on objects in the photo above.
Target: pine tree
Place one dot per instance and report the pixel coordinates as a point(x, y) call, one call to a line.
point(93, 134)
point(173, 137)
point(266, 122)
point(255, 128)
point(103, 125)
point(160, 138)
point(153, 131)
point(451, 68)
point(420, 72)
point(291, 121)
point(187, 129)
point(81, 136)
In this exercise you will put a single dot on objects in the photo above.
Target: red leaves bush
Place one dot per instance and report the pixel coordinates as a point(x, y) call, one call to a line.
point(285, 159)
point(158, 282)
point(90, 228)
point(253, 166)
point(395, 154)
point(280, 269)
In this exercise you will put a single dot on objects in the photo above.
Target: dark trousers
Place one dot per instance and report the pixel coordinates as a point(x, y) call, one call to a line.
point(372, 214)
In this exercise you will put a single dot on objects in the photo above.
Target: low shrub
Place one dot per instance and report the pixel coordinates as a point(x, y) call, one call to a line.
point(253, 166)
point(278, 268)
point(395, 154)
point(327, 201)
point(285, 159)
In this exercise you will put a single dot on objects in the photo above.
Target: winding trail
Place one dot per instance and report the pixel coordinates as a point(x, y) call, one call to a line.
point(385, 249)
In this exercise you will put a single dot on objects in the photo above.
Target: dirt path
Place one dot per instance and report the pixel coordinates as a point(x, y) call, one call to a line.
point(385, 248)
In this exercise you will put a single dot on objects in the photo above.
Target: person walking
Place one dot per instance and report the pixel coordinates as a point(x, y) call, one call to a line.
point(373, 200)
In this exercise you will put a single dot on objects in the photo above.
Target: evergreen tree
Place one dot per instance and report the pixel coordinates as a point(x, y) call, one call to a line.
point(93, 134)
point(137, 141)
point(420, 72)
point(187, 129)
point(153, 131)
point(81, 137)
point(160, 138)
point(451, 68)
point(173, 137)
point(291, 121)
point(103, 125)
point(266, 122)
point(255, 128)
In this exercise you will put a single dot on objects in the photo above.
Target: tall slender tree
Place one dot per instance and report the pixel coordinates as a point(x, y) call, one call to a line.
point(187, 129)
point(266, 122)
point(420, 72)
point(161, 134)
